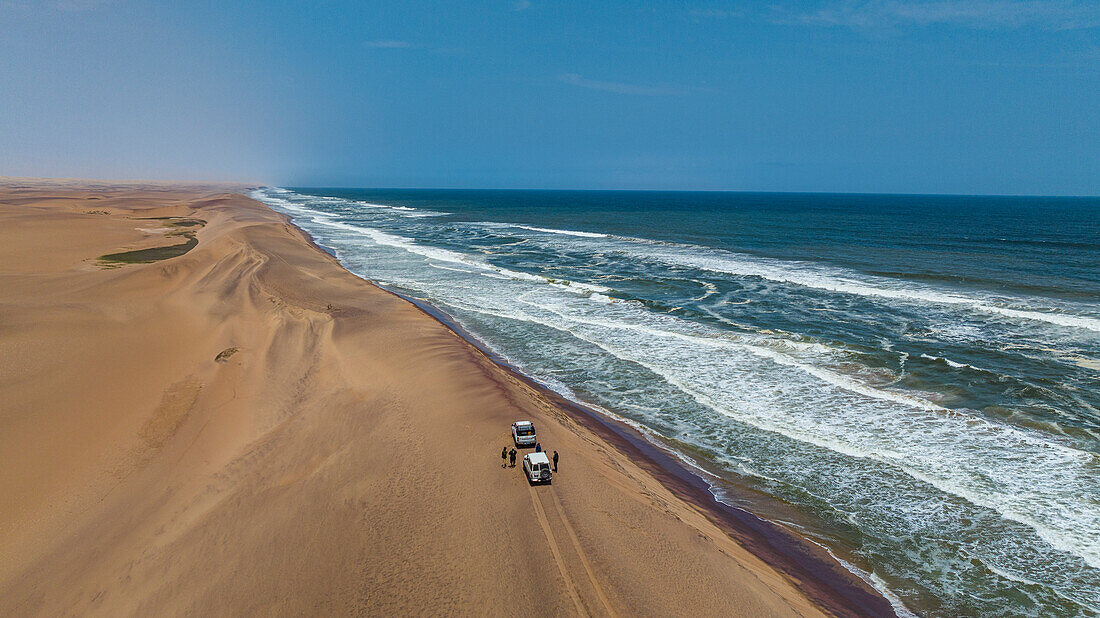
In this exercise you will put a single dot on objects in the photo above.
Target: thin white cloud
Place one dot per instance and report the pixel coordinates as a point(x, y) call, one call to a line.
point(389, 44)
point(623, 88)
point(872, 14)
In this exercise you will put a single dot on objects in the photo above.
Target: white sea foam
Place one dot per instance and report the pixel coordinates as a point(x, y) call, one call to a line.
point(404, 211)
point(265, 195)
point(956, 452)
point(457, 270)
point(446, 255)
point(820, 277)
point(803, 274)
point(283, 204)
point(945, 360)
point(900, 610)
point(563, 232)
point(951, 363)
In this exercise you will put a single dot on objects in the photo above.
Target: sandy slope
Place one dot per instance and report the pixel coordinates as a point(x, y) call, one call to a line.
point(345, 459)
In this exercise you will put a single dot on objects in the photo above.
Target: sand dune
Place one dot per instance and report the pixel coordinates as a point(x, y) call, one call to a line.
point(247, 428)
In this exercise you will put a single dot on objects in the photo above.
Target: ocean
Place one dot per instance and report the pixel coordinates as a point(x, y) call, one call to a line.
point(912, 382)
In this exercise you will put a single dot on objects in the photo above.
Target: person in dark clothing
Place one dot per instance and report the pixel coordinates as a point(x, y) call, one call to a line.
point(512, 457)
point(504, 457)
point(555, 461)
point(538, 447)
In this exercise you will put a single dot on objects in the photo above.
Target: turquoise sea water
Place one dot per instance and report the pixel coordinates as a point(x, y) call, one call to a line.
point(914, 381)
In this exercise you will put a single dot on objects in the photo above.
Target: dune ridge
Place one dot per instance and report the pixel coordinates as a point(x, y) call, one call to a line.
point(248, 428)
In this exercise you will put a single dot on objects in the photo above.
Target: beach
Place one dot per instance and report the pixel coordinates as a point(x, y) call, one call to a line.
point(203, 412)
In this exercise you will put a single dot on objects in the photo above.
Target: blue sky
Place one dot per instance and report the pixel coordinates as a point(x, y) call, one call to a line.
point(943, 96)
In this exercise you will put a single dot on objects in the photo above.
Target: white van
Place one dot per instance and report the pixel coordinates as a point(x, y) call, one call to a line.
point(523, 432)
point(537, 467)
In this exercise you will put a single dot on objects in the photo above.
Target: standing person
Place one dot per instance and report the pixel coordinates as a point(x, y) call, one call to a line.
point(504, 457)
point(538, 447)
point(555, 461)
point(512, 456)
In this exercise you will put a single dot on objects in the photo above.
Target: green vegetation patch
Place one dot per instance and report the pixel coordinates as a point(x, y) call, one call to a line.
point(185, 222)
point(154, 254)
point(185, 229)
point(176, 221)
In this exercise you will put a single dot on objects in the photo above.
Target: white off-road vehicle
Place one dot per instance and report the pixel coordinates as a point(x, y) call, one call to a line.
point(523, 432)
point(537, 467)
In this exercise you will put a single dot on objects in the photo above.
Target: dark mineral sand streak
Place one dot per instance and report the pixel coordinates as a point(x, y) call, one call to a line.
point(819, 575)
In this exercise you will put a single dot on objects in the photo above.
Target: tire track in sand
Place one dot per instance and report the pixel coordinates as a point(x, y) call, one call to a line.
point(584, 559)
point(541, 514)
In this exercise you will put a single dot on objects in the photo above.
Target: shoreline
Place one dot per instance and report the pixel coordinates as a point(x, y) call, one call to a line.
point(247, 427)
point(822, 577)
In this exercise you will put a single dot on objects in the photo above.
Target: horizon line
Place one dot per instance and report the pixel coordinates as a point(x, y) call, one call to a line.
point(254, 184)
point(893, 193)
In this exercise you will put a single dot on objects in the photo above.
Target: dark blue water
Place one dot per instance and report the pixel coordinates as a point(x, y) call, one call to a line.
point(916, 379)
point(1025, 243)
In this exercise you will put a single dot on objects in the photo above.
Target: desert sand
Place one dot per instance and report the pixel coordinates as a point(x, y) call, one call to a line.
point(247, 428)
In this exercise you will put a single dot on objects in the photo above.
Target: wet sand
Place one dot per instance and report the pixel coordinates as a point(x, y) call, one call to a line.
point(248, 428)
